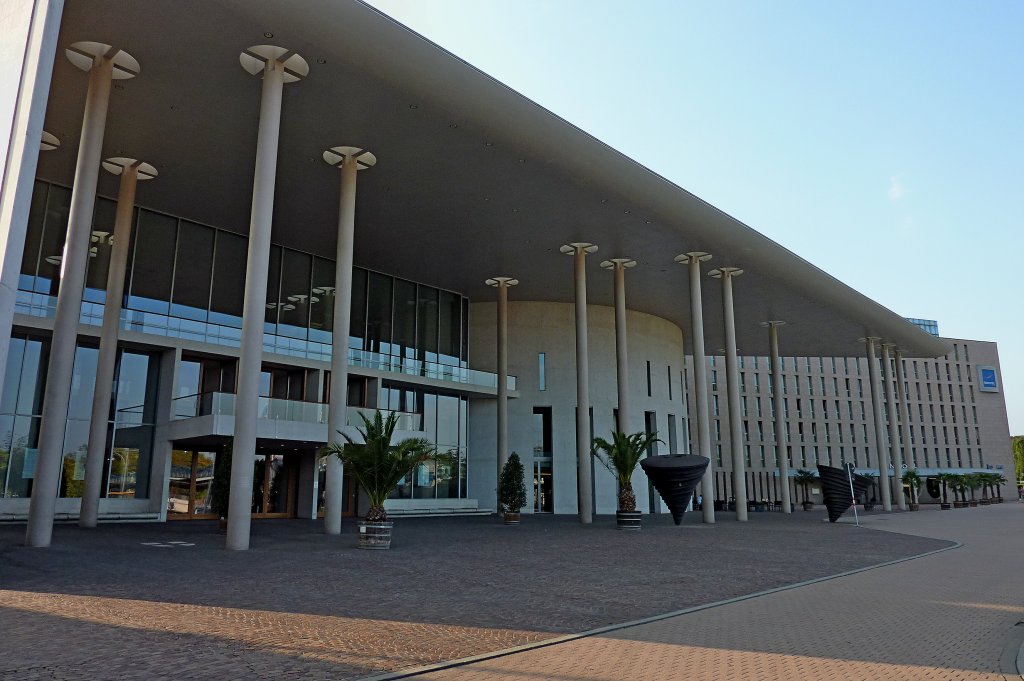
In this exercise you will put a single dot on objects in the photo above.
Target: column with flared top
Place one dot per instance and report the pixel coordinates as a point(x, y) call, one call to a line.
point(277, 66)
point(692, 260)
point(104, 64)
point(876, 407)
point(732, 374)
point(781, 455)
point(131, 171)
point(618, 266)
point(502, 284)
point(350, 160)
point(584, 490)
point(894, 454)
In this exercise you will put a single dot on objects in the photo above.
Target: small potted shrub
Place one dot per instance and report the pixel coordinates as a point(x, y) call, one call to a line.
point(958, 484)
point(621, 456)
point(512, 489)
point(805, 478)
point(972, 481)
point(913, 482)
point(377, 465)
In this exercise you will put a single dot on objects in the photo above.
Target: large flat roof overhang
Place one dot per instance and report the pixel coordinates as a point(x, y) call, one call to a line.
point(473, 180)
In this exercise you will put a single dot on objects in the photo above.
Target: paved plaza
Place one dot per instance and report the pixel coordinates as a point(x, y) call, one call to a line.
point(167, 601)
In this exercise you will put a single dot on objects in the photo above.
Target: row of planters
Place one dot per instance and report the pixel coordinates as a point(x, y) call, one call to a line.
point(960, 484)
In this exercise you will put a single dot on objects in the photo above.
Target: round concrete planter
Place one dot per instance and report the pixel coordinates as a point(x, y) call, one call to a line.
point(511, 518)
point(628, 520)
point(376, 535)
point(959, 504)
point(946, 507)
point(973, 503)
point(915, 507)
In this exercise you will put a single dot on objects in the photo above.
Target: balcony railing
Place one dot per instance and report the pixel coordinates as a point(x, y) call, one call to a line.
point(272, 408)
point(42, 305)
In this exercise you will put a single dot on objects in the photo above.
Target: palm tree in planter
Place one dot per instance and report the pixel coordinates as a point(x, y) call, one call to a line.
point(944, 478)
point(972, 481)
point(913, 482)
point(997, 481)
point(512, 489)
point(805, 478)
point(378, 465)
point(985, 482)
point(959, 485)
point(621, 456)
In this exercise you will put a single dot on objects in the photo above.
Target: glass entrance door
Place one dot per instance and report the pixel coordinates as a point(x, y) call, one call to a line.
point(191, 488)
point(543, 486)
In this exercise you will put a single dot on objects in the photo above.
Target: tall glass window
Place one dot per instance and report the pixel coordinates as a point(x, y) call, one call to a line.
point(378, 313)
point(193, 272)
point(228, 279)
point(321, 301)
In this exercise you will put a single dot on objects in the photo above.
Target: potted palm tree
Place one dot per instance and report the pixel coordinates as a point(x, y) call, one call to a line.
point(378, 465)
point(959, 486)
point(986, 481)
point(972, 481)
point(944, 478)
point(913, 482)
point(512, 489)
point(805, 478)
point(621, 456)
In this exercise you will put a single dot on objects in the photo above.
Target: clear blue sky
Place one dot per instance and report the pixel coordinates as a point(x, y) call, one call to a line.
point(883, 142)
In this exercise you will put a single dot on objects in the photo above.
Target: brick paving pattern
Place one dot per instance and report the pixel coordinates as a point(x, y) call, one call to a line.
point(166, 601)
point(947, 616)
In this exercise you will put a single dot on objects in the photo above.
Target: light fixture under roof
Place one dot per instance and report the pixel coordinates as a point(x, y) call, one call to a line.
point(268, 34)
point(414, 106)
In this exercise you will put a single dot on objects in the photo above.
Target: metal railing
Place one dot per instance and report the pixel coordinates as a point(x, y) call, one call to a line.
point(272, 408)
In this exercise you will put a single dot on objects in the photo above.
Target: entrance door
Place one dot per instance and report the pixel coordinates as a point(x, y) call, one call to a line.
point(191, 489)
point(274, 478)
point(349, 501)
point(543, 486)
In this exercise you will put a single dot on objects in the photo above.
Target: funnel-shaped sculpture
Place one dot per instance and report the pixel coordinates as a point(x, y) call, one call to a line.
point(835, 488)
point(675, 476)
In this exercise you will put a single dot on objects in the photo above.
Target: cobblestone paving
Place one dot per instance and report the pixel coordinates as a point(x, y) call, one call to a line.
point(946, 616)
point(167, 601)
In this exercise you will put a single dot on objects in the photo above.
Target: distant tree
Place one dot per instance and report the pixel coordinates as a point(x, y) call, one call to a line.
point(1018, 457)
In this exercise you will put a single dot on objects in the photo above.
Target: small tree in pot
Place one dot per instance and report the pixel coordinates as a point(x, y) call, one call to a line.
point(621, 456)
point(805, 478)
point(512, 489)
point(944, 478)
point(913, 482)
point(869, 502)
point(378, 466)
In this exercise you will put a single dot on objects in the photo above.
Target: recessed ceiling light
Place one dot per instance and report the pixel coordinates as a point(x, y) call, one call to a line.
point(647, 222)
point(453, 125)
point(515, 210)
point(487, 198)
point(268, 34)
point(321, 61)
point(413, 106)
point(488, 144)
point(522, 160)
point(626, 212)
point(604, 200)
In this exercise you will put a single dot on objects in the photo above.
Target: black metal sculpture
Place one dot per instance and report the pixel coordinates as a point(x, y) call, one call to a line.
point(675, 476)
point(835, 488)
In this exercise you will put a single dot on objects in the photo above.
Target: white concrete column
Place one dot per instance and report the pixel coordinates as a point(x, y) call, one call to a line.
point(904, 410)
point(876, 406)
point(502, 284)
point(29, 36)
point(693, 260)
point(732, 373)
point(104, 63)
point(350, 160)
point(584, 490)
point(278, 66)
point(894, 454)
point(780, 431)
point(618, 266)
point(131, 171)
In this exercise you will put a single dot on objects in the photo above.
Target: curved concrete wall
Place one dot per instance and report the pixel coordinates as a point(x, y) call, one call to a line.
point(536, 327)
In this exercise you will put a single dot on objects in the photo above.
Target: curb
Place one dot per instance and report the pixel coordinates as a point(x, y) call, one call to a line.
point(461, 662)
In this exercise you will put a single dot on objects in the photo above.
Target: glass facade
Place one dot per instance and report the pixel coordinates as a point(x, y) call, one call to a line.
point(129, 439)
point(397, 324)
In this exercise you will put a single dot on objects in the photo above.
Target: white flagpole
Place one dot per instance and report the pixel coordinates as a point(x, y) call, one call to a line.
point(849, 477)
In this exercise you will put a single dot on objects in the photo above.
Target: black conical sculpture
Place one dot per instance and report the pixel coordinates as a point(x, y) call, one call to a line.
point(675, 476)
point(835, 488)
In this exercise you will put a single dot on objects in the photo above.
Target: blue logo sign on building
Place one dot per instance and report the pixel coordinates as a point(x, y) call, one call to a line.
point(988, 379)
